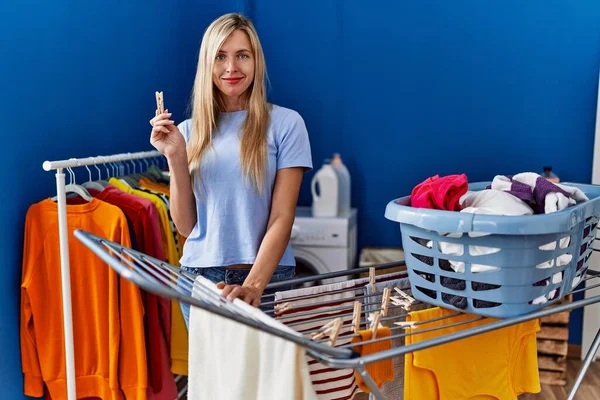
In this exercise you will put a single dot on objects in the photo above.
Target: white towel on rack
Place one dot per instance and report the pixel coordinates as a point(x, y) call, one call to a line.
point(231, 361)
point(329, 383)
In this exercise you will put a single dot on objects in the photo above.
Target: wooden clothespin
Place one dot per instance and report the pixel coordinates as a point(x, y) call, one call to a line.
point(372, 279)
point(331, 329)
point(335, 331)
point(376, 316)
point(395, 300)
point(385, 302)
point(405, 324)
point(356, 316)
point(160, 104)
point(405, 304)
point(406, 297)
point(281, 307)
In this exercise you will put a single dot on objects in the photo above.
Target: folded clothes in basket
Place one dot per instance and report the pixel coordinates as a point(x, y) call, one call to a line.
point(541, 194)
point(495, 202)
point(441, 193)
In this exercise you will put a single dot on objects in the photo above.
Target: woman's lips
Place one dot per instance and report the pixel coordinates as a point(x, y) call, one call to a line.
point(232, 81)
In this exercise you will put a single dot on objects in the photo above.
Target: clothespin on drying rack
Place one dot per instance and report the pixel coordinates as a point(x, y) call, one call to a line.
point(356, 316)
point(405, 324)
point(281, 307)
point(404, 302)
point(385, 301)
point(160, 103)
point(331, 329)
point(406, 297)
point(372, 279)
point(375, 318)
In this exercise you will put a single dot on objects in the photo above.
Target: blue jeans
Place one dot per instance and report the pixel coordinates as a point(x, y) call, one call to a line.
point(232, 277)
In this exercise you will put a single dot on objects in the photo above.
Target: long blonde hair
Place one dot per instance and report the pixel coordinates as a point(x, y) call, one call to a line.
point(207, 101)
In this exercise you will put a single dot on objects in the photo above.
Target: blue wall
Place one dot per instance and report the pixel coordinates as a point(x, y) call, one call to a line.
point(78, 80)
point(406, 90)
point(403, 90)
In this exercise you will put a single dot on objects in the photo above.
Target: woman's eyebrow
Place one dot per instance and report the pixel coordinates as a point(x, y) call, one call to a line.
point(237, 52)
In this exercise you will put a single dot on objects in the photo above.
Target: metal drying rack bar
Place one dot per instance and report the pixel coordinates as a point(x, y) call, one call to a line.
point(166, 280)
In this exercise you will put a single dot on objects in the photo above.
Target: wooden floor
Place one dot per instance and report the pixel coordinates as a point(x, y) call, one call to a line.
point(589, 389)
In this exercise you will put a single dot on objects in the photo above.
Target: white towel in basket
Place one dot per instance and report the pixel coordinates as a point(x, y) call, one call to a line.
point(491, 202)
point(494, 202)
point(546, 196)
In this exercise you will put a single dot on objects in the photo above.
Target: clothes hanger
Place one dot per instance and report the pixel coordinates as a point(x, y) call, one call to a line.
point(72, 187)
point(152, 172)
point(120, 171)
point(101, 182)
point(130, 177)
point(91, 184)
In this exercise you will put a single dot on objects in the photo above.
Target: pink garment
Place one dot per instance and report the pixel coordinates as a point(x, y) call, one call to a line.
point(169, 388)
point(440, 193)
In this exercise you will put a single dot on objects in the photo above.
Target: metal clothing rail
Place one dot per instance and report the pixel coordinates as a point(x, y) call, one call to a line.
point(168, 281)
point(64, 244)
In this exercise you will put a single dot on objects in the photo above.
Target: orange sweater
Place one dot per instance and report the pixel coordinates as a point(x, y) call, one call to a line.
point(110, 355)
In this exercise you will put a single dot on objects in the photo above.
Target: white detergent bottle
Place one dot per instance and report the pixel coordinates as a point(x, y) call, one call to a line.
point(344, 184)
point(325, 202)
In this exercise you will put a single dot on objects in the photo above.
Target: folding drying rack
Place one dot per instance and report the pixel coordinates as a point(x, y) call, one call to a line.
point(169, 281)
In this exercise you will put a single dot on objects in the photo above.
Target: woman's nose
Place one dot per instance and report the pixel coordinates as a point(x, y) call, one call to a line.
point(231, 66)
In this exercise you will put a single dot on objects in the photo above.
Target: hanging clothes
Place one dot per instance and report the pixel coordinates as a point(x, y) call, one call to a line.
point(142, 217)
point(329, 383)
point(380, 371)
point(179, 341)
point(395, 388)
point(161, 188)
point(179, 332)
point(167, 239)
point(501, 364)
point(146, 225)
point(108, 327)
point(231, 361)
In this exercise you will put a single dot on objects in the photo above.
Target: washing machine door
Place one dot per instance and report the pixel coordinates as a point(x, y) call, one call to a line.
point(308, 264)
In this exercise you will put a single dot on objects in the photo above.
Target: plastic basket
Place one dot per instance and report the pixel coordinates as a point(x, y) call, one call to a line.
point(516, 273)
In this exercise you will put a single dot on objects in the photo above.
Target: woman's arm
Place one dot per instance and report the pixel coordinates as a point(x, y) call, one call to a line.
point(277, 236)
point(182, 200)
point(168, 139)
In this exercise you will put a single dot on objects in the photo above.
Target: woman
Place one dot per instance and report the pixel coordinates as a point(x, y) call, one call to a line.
point(236, 167)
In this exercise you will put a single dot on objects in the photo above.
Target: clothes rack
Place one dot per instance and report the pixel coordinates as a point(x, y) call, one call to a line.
point(165, 280)
point(59, 166)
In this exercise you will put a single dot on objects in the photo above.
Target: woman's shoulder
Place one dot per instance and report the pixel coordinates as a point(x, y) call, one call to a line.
point(185, 127)
point(283, 116)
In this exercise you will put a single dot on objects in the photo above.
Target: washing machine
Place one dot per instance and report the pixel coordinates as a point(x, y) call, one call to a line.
point(323, 244)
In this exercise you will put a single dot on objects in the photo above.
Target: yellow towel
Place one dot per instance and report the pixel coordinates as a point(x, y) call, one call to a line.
point(380, 371)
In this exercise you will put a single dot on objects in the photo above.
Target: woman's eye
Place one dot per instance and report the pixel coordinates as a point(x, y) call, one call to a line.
point(220, 57)
point(244, 56)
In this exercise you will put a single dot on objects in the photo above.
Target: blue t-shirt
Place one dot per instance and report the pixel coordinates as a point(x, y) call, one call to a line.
point(232, 216)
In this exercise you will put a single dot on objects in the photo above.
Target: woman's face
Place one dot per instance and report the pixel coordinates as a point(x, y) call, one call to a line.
point(233, 71)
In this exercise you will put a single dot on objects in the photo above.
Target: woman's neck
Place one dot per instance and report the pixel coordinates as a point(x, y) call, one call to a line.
point(234, 103)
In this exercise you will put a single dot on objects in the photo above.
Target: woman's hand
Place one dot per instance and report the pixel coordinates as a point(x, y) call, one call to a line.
point(250, 294)
point(165, 135)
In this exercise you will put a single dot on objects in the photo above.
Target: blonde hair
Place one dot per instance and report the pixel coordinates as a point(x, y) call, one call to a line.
point(207, 101)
